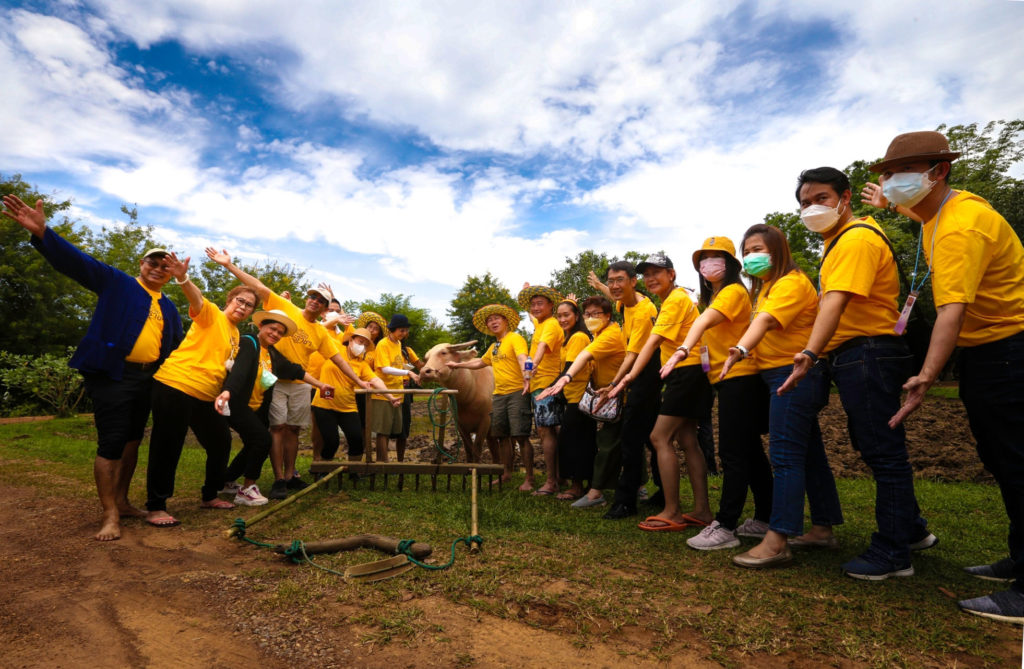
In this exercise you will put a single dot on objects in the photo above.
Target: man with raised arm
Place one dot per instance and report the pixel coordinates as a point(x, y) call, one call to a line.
point(289, 408)
point(133, 329)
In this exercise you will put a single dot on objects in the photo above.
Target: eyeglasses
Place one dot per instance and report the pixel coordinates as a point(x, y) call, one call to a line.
point(155, 262)
point(245, 303)
point(593, 314)
point(318, 298)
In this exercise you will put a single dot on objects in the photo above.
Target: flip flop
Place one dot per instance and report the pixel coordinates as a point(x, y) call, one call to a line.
point(222, 504)
point(693, 522)
point(163, 521)
point(540, 492)
point(666, 525)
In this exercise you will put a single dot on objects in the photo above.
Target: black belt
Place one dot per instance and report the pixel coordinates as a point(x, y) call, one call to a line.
point(860, 341)
point(141, 366)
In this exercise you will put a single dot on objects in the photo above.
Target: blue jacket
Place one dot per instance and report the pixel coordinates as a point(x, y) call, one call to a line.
point(122, 308)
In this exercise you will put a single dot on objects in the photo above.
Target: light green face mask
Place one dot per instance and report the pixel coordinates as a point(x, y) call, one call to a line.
point(757, 264)
point(267, 379)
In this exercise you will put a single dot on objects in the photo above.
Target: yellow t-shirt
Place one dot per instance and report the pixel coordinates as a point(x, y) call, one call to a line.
point(147, 346)
point(388, 354)
point(862, 264)
point(549, 332)
point(344, 399)
point(793, 302)
point(573, 390)
point(609, 350)
point(307, 338)
point(978, 261)
point(733, 302)
point(637, 322)
point(503, 357)
point(256, 398)
point(674, 321)
point(196, 367)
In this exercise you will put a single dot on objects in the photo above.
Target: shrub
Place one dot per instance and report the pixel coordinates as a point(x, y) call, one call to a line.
point(46, 378)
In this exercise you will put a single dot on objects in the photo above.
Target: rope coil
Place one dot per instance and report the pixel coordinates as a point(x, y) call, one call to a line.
point(451, 419)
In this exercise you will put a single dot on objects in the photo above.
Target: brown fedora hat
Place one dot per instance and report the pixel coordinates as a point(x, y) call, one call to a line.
point(924, 145)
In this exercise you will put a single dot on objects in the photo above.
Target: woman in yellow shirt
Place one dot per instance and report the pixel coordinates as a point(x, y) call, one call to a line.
point(742, 396)
point(576, 445)
point(375, 324)
point(184, 390)
point(785, 307)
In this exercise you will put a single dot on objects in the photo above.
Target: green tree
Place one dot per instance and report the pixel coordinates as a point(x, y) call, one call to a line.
point(572, 278)
point(425, 330)
point(217, 282)
point(476, 292)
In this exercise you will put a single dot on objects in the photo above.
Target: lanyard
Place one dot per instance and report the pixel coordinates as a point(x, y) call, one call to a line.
point(916, 287)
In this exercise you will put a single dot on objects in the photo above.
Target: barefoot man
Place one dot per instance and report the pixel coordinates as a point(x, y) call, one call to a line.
point(133, 329)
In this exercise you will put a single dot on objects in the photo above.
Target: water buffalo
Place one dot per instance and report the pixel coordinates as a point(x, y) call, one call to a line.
point(475, 386)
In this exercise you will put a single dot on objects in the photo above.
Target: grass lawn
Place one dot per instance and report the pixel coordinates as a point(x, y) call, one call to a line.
point(569, 571)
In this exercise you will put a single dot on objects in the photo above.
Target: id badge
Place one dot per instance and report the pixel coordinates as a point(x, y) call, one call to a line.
point(705, 359)
point(901, 324)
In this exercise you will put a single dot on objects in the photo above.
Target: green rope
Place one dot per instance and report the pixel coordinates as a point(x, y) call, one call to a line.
point(452, 419)
point(405, 546)
point(239, 526)
point(297, 553)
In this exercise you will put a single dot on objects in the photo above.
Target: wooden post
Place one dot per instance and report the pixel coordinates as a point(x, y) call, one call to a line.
point(368, 445)
point(443, 413)
point(473, 546)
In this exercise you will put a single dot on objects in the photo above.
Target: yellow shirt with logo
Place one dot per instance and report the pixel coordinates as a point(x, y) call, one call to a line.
point(196, 367)
point(793, 302)
point(344, 399)
point(571, 350)
point(609, 350)
point(388, 354)
point(861, 264)
point(978, 261)
point(147, 346)
point(733, 302)
point(307, 338)
point(503, 357)
point(637, 322)
point(549, 332)
point(256, 398)
point(674, 321)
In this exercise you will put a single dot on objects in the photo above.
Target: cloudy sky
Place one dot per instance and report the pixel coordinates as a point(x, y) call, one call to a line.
point(399, 147)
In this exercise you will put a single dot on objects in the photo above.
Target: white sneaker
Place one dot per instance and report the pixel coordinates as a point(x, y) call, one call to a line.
point(713, 537)
point(230, 488)
point(754, 528)
point(250, 496)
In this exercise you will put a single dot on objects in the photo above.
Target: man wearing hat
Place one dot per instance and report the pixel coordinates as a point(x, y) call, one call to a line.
point(976, 264)
point(545, 353)
point(510, 408)
point(389, 365)
point(133, 329)
point(289, 406)
point(855, 328)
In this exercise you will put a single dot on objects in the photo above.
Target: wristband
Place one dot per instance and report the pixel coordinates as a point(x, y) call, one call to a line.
point(810, 354)
point(568, 376)
point(744, 352)
point(684, 349)
point(180, 282)
point(892, 207)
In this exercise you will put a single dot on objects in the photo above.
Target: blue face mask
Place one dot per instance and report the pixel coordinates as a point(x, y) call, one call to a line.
point(907, 188)
point(757, 264)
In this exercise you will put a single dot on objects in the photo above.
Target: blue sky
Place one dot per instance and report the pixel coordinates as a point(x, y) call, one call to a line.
point(399, 147)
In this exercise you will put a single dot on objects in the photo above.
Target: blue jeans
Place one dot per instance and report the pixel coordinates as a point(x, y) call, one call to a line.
point(798, 454)
point(870, 377)
point(992, 390)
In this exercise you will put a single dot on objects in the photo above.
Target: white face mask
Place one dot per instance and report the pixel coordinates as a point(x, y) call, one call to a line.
point(907, 188)
point(357, 349)
point(712, 269)
point(819, 218)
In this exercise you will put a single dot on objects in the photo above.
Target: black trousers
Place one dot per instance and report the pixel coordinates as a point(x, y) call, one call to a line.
point(329, 421)
point(742, 418)
point(639, 415)
point(254, 429)
point(174, 413)
point(577, 445)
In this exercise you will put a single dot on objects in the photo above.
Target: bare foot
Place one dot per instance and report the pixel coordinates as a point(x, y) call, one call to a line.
point(110, 531)
point(217, 504)
point(527, 486)
point(705, 517)
point(161, 519)
point(126, 510)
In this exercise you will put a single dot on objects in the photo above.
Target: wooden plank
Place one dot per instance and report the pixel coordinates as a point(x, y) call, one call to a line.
point(457, 469)
point(403, 391)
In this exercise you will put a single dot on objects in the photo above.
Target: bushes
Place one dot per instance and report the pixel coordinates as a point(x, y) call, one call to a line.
point(34, 384)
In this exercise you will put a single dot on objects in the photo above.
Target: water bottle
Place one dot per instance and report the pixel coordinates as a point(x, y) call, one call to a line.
point(528, 369)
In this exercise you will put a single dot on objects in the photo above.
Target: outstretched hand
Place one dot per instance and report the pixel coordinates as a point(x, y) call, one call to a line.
point(916, 387)
point(872, 195)
point(734, 357)
point(33, 220)
point(221, 258)
point(801, 365)
point(325, 287)
point(594, 281)
point(177, 268)
point(673, 360)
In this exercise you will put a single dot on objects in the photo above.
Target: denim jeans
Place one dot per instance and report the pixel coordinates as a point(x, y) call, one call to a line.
point(870, 377)
point(992, 390)
point(798, 454)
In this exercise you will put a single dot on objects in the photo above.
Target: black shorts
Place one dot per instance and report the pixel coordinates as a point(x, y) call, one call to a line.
point(120, 409)
point(687, 394)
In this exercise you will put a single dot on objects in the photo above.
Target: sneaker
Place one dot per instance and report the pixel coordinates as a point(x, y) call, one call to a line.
point(713, 537)
point(250, 496)
point(754, 528)
point(230, 488)
point(295, 483)
point(929, 540)
point(1006, 606)
point(997, 571)
point(864, 570)
point(641, 494)
point(279, 490)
